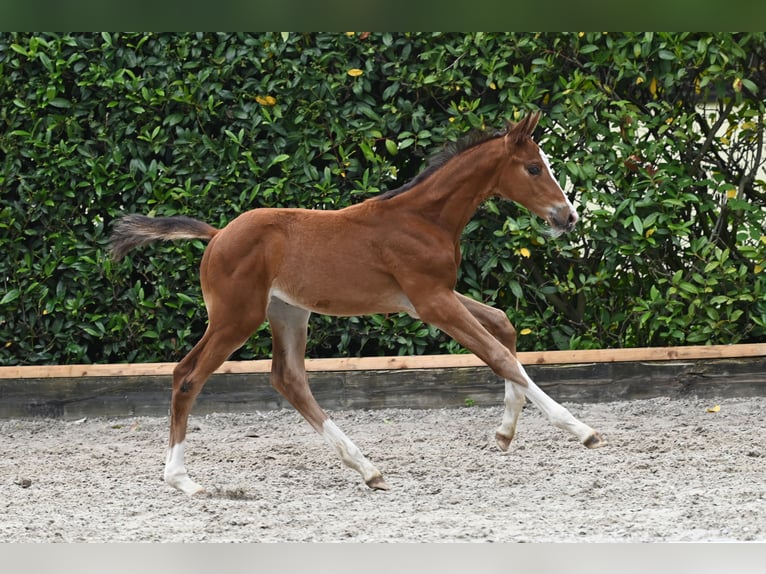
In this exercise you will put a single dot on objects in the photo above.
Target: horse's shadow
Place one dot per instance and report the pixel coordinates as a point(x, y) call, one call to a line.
point(223, 493)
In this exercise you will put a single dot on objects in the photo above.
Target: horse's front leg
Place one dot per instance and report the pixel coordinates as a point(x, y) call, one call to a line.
point(558, 415)
point(496, 322)
point(474, 325)
point(513, 402)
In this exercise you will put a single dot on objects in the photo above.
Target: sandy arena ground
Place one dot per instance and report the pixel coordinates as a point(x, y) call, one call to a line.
point(672, 472)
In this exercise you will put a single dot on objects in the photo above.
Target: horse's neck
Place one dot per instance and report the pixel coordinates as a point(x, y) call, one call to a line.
point(450, 197)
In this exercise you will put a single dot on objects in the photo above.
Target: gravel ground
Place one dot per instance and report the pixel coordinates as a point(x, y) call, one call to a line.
point(672, 471)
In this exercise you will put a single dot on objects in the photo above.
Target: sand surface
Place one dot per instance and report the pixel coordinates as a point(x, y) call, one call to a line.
point(672, 472)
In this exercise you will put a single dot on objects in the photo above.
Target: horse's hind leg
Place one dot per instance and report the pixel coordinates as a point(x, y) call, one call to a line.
point(189, 376)
point(288, 376)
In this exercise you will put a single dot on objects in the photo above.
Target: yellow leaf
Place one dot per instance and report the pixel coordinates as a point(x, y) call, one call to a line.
point(639, 80)
point(266, 100)
point(524, 252)
point(714, 409)
point(525, 331)
point(355, 72)
point(757, 269)
point(731, 193)
point(649, 232)
point(349, 34)
point(492, 85)
point(653, 87)
point(737, 85)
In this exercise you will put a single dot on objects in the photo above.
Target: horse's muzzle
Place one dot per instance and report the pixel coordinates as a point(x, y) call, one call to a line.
point(563, 219)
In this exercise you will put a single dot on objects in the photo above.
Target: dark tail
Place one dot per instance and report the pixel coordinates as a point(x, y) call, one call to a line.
point(133, 230)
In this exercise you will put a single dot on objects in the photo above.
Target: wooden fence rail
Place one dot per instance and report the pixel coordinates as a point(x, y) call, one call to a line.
point(74, 391)
point(397, 363)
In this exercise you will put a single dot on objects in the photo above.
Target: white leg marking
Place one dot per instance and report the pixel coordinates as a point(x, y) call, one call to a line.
point(514, 402)
point(175, 471)
point(349, 452)
point(557, 414)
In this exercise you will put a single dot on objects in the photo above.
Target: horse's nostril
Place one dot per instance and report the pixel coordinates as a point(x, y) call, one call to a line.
point(565, 219)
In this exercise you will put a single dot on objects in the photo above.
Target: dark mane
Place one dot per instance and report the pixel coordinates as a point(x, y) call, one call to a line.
point(438, 160)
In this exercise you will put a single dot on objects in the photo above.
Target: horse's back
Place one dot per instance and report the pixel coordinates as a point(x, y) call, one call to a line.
point(329, 262)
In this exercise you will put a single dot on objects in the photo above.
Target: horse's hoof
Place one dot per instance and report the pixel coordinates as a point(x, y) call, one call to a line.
point(503, 442)
point(595, 441)
point(186, 485)
point(377, 483)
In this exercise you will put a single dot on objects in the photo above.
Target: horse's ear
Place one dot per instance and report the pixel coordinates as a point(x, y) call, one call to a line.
point(518, 132)
point(532, 122)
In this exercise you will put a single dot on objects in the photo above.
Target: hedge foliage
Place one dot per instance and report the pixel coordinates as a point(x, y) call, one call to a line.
point(658, 138)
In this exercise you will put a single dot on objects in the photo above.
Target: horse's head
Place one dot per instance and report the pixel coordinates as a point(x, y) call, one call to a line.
point(528, 179)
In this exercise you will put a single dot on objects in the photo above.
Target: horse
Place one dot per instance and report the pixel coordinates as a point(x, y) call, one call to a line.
point(398, 251)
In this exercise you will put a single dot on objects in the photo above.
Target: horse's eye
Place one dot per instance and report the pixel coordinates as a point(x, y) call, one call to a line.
point(533, 169)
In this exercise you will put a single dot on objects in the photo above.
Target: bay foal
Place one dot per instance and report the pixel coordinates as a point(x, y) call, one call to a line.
point(396, 252)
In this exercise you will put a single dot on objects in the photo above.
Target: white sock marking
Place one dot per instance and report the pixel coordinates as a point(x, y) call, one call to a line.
point(175, 471)
point(514, 402)
point(348, 451)
point(557, 414)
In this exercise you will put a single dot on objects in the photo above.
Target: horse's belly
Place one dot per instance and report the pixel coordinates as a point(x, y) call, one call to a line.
point(344, 302)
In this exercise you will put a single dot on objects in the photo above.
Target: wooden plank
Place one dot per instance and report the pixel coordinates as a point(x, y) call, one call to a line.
point(138, 395)
point(644, 354)
point(400, 363)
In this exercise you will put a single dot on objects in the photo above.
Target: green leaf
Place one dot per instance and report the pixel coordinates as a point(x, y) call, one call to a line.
point(750, 85)
point(173, 119)
point(283, 157)
point(688, 287)
point(10, 296)
point(60, 103)
point(638, 225)
point(712, 266)
point(92, 331)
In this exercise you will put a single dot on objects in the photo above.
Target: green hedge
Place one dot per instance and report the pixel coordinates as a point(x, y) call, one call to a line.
point(658, 137)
